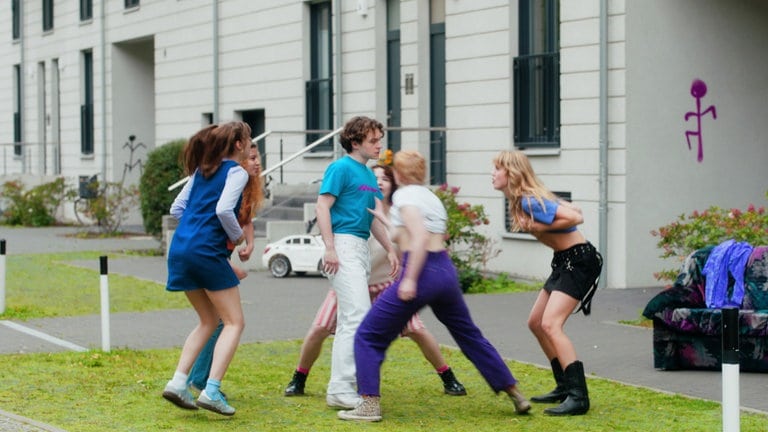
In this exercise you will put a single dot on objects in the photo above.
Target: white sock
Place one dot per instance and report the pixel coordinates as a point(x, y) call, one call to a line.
point(179, 380)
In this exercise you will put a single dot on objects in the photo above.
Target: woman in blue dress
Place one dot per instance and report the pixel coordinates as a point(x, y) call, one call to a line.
point(198, 263)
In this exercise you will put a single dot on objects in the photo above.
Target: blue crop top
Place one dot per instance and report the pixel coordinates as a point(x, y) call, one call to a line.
point(545, 215)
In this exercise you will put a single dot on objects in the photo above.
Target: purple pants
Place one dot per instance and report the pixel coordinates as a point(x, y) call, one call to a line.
point(438, 287)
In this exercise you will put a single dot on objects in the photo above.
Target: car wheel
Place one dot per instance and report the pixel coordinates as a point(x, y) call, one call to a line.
point(280, 266)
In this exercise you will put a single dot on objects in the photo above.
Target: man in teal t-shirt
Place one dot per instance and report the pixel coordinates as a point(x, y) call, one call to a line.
point(348, 191)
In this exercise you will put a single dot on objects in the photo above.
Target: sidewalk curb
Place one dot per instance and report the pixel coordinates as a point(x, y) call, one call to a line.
point(34, 426)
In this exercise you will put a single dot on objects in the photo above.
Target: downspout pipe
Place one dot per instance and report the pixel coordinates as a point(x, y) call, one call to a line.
point(215, 110)
point(338, 81)
point(603, 147)
point(103, 12)
point(22, 84)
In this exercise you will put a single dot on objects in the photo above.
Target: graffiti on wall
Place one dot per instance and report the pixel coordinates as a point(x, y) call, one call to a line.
point(131, 164)
point(698, 91)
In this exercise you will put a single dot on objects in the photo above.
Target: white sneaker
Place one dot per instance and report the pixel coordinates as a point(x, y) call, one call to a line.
point(368, 410)
point(343, 400)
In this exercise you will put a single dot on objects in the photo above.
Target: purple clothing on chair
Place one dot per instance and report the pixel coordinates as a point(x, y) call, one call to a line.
point(729, 257)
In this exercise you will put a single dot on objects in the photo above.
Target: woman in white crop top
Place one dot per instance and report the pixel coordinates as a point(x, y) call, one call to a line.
point(428, 278)
point(324, 324)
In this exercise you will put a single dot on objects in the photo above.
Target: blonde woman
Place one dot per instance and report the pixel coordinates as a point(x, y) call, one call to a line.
point(576, 266)
point(428, 278)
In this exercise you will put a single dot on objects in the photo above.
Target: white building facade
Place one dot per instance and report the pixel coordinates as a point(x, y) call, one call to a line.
point(605, 96)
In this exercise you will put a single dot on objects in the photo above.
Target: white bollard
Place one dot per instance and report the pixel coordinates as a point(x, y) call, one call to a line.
point(104, 304)
point(730, 371)
point(2, 276)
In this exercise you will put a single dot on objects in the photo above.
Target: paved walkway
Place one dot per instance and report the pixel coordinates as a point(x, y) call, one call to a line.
point(284, 307)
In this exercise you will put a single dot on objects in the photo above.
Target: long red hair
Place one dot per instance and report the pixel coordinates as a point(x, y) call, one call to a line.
point(253, 193)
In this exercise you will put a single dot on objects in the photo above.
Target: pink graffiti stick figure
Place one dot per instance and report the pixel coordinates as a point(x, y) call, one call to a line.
point(698, 90)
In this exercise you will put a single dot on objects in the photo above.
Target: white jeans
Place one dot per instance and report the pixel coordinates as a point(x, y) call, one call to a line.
point(351, 285)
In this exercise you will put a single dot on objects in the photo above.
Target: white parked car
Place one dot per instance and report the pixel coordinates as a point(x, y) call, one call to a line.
point(295, 253)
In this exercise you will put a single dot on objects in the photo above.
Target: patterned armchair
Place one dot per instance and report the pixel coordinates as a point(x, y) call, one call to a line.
point(687, 334)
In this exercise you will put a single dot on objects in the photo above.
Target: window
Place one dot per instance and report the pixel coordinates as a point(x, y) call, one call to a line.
point(47, 15)
point(86, 109)
point(16, 8)
point(565, 196)
point(319, 88)
point(537, 76)
point(86, 10)
point(394, 98)
point(131, 3)
point(437, 144)
point(17, 120)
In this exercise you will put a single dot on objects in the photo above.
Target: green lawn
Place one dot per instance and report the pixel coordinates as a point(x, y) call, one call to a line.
point(120, 390)
point(44, 285)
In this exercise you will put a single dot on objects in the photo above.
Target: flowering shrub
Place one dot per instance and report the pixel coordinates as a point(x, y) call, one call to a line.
point(34, 207)
point(710, 227)
point(470, 250)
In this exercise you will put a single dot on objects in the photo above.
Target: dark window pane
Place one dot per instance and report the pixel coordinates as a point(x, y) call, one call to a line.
point(15, 7)
point(86, 10)
point(319, 89)
point(47, 15)
point(537, 75)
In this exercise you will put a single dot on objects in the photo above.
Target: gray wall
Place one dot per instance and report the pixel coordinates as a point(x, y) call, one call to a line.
point(669, 44)
point(133, 107)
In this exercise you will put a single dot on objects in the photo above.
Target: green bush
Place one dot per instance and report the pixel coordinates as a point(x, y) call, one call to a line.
point(35, 207)
point(710, 227)
point(163, 168)
point(470, 250)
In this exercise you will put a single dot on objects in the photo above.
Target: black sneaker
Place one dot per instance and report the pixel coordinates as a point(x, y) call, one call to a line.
point(296, 386)
point(451, 385)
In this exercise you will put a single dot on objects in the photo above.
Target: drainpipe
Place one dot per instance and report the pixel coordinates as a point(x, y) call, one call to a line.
point(103, 91)
point(215, 61)
point(338, 86)
point(22, 83)
point(603, 206)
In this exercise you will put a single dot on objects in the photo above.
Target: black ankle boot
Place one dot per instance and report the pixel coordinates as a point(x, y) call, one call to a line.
point(451, 385)
point(577, 402)
point(560, 392)
point(296, 386)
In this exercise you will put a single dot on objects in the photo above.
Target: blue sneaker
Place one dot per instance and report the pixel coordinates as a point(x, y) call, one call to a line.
point(219, 406)
point(182, 398)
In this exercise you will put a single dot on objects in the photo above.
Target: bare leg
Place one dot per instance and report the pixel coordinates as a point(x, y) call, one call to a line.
point(558, 309)
point(535, 324)
point(227, 303)
point(429, 347)
point(201, 333)
point(312, 346)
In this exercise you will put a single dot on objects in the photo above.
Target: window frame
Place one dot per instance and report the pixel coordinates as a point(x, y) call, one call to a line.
point(86, 10)
point(16, 19)
point(319, 88)
point(86, 109)
point(536, 80)
point(47, 15)
point(18, 120)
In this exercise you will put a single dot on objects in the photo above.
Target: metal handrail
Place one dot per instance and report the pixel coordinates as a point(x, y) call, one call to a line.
point(302, 151)
point(186, 179)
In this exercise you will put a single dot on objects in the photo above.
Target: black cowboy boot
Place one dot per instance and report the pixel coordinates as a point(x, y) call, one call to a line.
point(560, 392)
point(577, 402)
point(452, 386)
point(296, 386)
